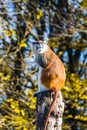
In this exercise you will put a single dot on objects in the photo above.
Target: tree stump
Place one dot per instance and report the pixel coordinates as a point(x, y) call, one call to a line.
point(44, 100)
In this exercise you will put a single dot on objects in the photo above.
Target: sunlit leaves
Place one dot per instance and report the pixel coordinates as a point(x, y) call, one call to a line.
point(7, 31)
point(4, 78)
point(39, 14)
point(33, 100)
point(17, 108)
point(1, 74)
point(84, 3)
point(22, 44)
point(75, 93)
point(19, 114)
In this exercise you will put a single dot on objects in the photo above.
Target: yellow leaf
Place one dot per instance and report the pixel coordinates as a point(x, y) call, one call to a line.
point(17, 110)
point(39, 11)
point(39, 14)
point(22, 44)
point(30, 92)
point(1, 74)
point(9, 100)
point(22, 112)
point(32, 107)
point(7, 32)
point(33, 100)
point(24, 128)
point(61, 52)
point(13, 32)
point(84, 3)
point(6, 77)
point(12, 106)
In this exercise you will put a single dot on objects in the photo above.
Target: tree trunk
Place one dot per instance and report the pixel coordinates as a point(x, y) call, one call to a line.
point(44, 100)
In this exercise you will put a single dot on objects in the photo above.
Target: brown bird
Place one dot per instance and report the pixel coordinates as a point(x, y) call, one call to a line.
point(51, 72)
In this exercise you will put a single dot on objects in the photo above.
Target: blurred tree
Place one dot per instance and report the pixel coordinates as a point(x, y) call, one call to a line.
point(63, 24)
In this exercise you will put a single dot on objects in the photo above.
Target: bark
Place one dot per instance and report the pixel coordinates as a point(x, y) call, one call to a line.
point(44, 100)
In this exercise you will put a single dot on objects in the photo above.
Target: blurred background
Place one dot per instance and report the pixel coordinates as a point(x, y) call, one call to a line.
point(63, 25)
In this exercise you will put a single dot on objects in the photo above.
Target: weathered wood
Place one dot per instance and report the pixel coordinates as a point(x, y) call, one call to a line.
point(44, 100)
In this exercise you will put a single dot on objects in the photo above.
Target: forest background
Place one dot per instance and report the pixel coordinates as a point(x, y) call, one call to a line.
point(63, 25)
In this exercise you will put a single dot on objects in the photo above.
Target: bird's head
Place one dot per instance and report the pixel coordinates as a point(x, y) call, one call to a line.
point(40, 47)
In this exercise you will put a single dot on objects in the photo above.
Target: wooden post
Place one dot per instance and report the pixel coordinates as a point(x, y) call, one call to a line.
point(44, 100)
